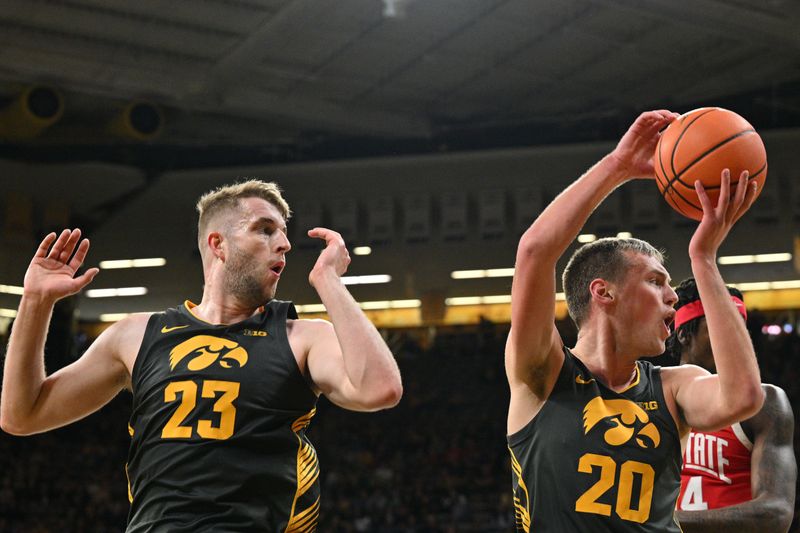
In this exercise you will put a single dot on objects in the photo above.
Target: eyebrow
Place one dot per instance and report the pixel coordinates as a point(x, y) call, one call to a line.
point(268, 221)
point(662, 274)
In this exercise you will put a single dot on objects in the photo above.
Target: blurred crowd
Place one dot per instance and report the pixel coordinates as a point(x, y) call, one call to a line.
point(437, 463)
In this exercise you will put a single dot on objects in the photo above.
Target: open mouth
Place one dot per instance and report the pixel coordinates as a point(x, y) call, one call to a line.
point(278, 268)
point(668, 321)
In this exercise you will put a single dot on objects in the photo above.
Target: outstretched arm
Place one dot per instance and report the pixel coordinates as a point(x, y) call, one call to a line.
point(348, 360)
point(534, 346)
point(773, 477)
point(709, 402)
point(32, 402)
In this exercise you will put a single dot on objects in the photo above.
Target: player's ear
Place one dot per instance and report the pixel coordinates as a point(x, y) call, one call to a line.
point(601, 291)
point(216, 243)
point(683, 338)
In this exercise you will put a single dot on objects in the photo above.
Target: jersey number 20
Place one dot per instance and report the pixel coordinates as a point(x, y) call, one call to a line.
point(624, 507)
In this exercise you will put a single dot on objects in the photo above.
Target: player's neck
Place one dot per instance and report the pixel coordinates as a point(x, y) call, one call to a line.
point(605, 359)
point(222, 310)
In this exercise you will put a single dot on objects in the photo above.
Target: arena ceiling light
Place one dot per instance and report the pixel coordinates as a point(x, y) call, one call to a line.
point(362, 250)
point(488, 300)
point(133, 263)
point(390, 304)
point(8, 313)
point(112, 317)
point(310, 308)
point(624, 235)
point(121, 291)
point(587, 237)
point(366, 280)
point(757, 258)
point(479, 300)
point(367, 306)
point(116, 317)
point(768, 285)
point(11, 289)
point(483, 273)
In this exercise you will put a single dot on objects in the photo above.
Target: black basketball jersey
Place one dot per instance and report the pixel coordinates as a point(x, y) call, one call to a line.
point(218, 428)
point(596, 460)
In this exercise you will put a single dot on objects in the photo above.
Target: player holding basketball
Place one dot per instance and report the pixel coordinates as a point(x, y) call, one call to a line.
point(595, 436)
point(742, 476)
point(224, 390)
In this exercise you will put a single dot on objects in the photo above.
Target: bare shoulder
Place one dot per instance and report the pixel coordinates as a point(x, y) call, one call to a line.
point(129, 330)
point(672, 377)
point(304, 333)
point(123, 339)
point(308, 328)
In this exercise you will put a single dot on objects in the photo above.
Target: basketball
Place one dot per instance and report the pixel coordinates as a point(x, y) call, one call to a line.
point(697, 147)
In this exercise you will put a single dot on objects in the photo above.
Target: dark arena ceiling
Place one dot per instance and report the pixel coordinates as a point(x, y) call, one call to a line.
point(261, 81)
point(115, 115)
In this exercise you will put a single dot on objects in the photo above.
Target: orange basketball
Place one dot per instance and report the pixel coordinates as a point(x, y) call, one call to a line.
point(698, 146)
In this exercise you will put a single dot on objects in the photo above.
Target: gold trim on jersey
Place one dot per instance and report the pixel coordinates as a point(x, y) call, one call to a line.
point(522, 511)
point(635, 380)
point(304, 521)
point(128, 477)
point(189, 305)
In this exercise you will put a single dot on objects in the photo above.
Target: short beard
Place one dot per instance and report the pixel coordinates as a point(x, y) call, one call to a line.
point(241, 281)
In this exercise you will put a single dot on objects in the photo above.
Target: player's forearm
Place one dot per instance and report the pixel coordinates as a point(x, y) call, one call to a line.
point(369, 364)
point(24, 370)
point(735, 359)
point(558, 225)
point(755, 516)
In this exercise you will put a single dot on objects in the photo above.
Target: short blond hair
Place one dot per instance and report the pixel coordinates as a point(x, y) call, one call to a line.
point(226, 198)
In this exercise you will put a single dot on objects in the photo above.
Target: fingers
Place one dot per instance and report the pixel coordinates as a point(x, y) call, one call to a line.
point(86, 278)
point(750, 197)
point(702, 195)
point(58, 246)
point(80, 255)
point(45, 245)
point(326, 234)
point(741, 192)
point(69, 247)
point(63, 247)
point(654, 121)
point(724, 192)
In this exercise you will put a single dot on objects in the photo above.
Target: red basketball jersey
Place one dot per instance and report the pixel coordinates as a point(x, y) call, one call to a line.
point(716, 469)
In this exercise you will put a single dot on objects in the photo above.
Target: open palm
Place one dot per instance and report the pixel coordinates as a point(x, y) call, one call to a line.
point(51, 273)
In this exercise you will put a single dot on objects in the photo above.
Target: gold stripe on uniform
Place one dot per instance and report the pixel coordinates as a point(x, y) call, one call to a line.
point(304, 521)
point(522, 511)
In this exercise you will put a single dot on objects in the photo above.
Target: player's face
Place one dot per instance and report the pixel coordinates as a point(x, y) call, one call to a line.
point(697, 351)
point(257, 248)
point(646, 301)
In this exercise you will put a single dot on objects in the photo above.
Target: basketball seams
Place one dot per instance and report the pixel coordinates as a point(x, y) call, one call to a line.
point(666, 189)
point(678, 141)
point(709, 152)
point(669, 188)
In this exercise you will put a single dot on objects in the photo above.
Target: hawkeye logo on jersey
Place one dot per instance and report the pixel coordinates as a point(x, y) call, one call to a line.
point(627, 420)
point(205, 350)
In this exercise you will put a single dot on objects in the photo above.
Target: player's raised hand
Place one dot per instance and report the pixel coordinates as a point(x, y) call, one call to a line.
point(634, 152)
point(718, 220)
point(334, 259)
point(51, 274)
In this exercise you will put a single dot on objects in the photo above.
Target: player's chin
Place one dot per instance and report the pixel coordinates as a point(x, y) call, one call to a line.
point(655, 347)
